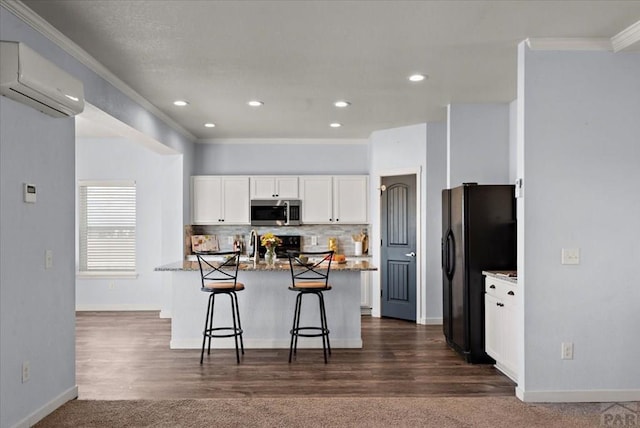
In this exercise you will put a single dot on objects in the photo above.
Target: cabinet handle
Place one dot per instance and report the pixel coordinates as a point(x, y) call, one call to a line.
point(337, 219)
point(492, 286)
point(500, 304)
point(511, 293)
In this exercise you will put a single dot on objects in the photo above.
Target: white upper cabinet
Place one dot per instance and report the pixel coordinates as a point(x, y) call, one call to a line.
point(334, 200)
point(220, 199)
point(350, 199)
point(270, 187)
point(317, 199)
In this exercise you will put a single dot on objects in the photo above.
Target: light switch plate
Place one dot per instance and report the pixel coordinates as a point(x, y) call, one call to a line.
point(48, 259)
point(519, 189)
point(571, 256)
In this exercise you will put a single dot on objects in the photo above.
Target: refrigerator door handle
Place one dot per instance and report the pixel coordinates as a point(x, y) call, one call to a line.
point(451, 253)
point(443, 256)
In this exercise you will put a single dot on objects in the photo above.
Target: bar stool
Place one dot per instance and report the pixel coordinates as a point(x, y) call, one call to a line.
point(221, 278)
point(310, 275)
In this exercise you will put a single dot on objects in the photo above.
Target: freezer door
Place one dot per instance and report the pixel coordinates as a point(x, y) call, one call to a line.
point(445, 255)
point(459, 301)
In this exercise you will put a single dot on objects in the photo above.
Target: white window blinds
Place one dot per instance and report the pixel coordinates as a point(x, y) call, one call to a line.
point(107, 226)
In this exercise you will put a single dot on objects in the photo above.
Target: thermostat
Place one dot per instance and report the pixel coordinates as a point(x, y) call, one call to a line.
point(29, 193)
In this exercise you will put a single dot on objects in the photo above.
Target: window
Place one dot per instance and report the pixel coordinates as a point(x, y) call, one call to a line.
point(107, 227)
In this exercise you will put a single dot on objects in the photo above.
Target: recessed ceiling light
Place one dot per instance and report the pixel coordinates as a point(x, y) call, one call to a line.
point(417, 77)
point(342, 104)
point(210, 125)
point(335, 125)
point(180, 103)
point(255, 103)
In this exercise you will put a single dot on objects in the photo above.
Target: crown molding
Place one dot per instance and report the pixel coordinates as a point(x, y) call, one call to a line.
point(35, 21)
point(569, 44)
point(627, 39)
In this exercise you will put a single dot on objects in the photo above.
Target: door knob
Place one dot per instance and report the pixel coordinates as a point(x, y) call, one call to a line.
point(411, 254)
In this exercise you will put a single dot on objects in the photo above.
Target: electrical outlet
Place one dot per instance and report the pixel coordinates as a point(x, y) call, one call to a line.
point(26, 371)
point(230, 240)
point(567, 351)
point(314, 240)
point(571, 256)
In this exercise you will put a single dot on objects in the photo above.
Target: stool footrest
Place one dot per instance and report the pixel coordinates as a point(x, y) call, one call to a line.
point(323, 331)
point(210, 332)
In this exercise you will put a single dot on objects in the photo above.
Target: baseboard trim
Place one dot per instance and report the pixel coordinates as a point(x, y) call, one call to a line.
point(585, 396)
point(47, 409)
point(433, 321)
point(229, 343)
point(117, 307)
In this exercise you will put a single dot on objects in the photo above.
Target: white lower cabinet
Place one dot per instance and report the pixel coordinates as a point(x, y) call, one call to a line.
point(365, 293)
point(500, 323)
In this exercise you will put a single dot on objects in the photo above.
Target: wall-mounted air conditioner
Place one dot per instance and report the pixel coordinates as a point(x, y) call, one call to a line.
point(30, 79)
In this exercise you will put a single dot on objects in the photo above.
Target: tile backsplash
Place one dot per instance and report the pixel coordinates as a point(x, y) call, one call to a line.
point(322, 233)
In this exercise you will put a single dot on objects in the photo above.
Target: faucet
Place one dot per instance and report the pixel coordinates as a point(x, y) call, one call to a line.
point(253, 238)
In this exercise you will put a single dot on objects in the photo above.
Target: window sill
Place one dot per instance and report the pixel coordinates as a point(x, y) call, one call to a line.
point(110, 275)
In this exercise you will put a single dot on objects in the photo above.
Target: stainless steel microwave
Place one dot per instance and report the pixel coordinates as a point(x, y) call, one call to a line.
point(275, 212)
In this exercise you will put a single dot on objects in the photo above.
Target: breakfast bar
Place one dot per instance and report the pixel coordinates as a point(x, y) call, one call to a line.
point(266, 306)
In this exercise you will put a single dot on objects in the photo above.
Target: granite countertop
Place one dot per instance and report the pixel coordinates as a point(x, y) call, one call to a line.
point(349, 266)
point(505, 275)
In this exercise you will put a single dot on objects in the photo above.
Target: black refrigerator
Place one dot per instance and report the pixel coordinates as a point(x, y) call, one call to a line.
point(478, 233)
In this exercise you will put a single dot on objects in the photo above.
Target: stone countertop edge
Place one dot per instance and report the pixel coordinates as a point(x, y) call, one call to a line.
point(501, 274)
point(186, 265)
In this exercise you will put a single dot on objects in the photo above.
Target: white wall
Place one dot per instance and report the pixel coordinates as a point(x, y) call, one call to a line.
point(37, 309)
point(513, 141)
point(36, 305)
point(272, 156)
point(122, 159)
point(579, 138)
point(478, 144)
point(398, 151)
point(436, 180)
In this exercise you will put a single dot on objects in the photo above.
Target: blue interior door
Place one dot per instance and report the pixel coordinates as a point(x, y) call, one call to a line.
point(398, 252)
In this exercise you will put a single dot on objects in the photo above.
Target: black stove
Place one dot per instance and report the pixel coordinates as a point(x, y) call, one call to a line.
point(289, 243)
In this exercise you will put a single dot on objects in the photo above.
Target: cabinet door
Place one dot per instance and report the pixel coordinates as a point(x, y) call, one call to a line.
point(510, 339)
point(263, 188)
point(317, 199)
point(235, 200)
point(205, 200)
point(286, 187)
point(350, 199)
point(269, 187)
point(492, 326)
point(365, 290)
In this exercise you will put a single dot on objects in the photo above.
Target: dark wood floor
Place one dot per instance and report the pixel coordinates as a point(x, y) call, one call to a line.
point(126, 355)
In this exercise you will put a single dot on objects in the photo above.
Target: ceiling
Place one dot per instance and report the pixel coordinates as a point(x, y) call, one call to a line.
point(298, 57)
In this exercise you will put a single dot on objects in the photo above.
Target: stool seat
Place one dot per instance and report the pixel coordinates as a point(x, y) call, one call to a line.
point(310, 278)
point(221, 278)
point(310, 285)
point(216, 286)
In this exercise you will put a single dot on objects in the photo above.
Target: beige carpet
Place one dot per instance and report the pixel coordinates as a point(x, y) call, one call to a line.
point(489, 412)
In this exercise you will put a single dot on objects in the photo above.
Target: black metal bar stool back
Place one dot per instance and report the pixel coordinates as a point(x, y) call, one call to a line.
point(310, 275)
point(221, 277)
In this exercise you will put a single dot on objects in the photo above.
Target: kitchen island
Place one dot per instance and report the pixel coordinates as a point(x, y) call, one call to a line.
point(266, 306)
